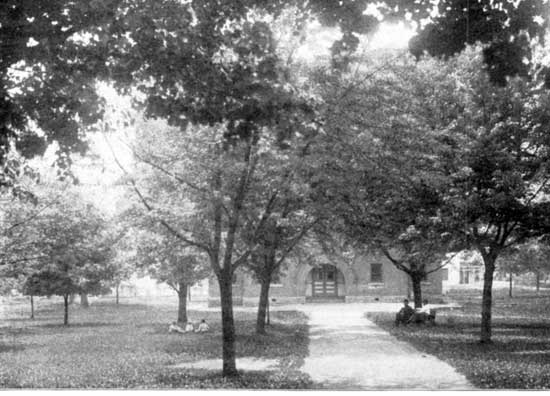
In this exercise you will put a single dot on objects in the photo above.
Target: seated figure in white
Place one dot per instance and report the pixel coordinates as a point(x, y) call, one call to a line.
point(203, 327)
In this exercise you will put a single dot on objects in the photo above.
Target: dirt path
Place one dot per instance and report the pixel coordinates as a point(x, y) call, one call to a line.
point(347, 351)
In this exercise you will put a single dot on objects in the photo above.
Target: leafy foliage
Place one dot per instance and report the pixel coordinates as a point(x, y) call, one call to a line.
point(52, 54)
point(168, 261)
point(504, 27)
point(49, 283)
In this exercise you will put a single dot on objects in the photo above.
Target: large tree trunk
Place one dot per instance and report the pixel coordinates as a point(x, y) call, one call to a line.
point(116, 293)
point(417, 290)
point(263, 306)
point(32, 306)
point(182, 303)
point(487, 300)
point(228, 324)
point(510, 288)
point(84, 303)
point(66, 315)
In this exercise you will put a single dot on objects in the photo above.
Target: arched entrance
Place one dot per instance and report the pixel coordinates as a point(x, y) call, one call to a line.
point(326, 282)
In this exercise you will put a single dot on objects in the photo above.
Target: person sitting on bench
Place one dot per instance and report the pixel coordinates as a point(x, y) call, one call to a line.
point(405, 314)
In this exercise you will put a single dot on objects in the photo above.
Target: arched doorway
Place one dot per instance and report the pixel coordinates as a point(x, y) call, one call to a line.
point(326, 282)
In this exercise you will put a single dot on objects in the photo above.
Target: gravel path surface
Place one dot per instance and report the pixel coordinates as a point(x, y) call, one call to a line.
point(349, 352)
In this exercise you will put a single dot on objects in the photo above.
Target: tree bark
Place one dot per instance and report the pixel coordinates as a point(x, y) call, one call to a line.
point(32, 306)
point(182, 303)
point(487, 300)
point(228, 324)
point(262, 306)
point(510, 288)
point(66, 315)
point(84, 303)
point(417, 290)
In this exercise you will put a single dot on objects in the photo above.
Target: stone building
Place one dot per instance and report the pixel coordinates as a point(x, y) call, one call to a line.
point(338, 277)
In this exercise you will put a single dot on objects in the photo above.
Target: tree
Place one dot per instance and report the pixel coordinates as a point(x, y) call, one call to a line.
point(228, 98)
point(164, 258)
point(49, 283)
point(68, 239)
point(375, 169)
point(498, 173)
point(275, 243)
point(507, 263)
point(19, 212)
point(531, 256)
point(505, 28)
point(123, 267)
point(196, 186)
point(123, 247)
point(476, 153)
point(52, 54)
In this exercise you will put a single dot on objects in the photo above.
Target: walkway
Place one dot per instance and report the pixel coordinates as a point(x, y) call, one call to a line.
point(348, 351)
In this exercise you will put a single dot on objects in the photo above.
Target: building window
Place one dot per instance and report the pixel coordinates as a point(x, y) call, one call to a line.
point(376, 275)
point(464, 277)
point(234, 279)
point(445, 274)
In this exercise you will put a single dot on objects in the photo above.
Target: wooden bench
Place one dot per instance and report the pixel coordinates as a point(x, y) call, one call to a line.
point(446, 308)
point(434, 309)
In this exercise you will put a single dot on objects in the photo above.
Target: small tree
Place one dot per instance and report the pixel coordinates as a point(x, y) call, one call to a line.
point(275, 243)
point(71, 238)
point(165, 259)
point(508, 263)
point(532, 256)
point(50, 282)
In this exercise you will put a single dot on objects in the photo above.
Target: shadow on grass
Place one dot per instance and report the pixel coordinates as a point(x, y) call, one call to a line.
point(207, 379)
point(15, 331)
point(517, 358)
point(77, 325)
point(10, 347)
point(286, 340)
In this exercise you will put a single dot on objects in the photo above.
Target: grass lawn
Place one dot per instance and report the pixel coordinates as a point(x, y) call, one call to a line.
point(518, 358)
point(128, 346)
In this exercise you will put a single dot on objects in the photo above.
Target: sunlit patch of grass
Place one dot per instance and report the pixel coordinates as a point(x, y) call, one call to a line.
point(128, 346)
point(518, 357)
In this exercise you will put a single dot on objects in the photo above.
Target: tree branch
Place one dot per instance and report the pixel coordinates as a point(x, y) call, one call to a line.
point(150, 208)
point(395, 262)
point(443, 264)
point(177, 177)
point(296, 240)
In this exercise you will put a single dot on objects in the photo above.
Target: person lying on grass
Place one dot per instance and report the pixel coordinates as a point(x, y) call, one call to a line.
point(174, 327)
point(405, 314)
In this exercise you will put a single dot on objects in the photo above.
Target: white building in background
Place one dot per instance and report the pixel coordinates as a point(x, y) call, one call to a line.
point(148, 287)
point(465, 271)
